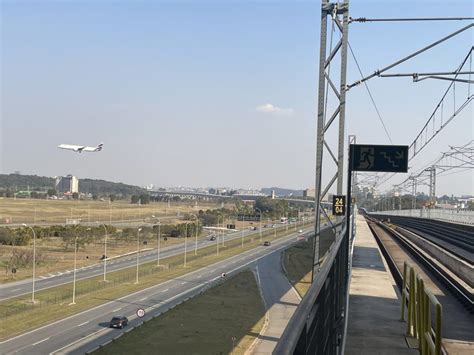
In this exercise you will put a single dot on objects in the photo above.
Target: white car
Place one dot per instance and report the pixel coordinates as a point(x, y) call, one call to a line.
point(300, 231)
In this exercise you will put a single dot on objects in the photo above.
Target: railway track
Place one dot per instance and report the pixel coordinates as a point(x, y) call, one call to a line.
point(456, 288)
point(458, 240)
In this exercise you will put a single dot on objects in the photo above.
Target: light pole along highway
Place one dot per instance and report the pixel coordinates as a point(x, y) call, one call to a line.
point(34, 261)
point(261, 214)
point(105, 253)
point(75, 265)
point(159, 242)
point(138, 250)
point(185, 237)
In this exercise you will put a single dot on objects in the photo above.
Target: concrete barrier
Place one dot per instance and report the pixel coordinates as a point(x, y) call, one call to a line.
point(459, 267)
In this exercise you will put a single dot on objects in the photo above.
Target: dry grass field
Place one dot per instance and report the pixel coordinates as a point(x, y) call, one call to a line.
point(35, 211)
point(51, 253)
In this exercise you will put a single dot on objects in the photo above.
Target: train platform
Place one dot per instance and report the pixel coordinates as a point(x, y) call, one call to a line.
point(374, 325)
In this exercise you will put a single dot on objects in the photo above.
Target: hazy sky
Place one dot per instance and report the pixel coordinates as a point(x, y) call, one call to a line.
point(210, 93)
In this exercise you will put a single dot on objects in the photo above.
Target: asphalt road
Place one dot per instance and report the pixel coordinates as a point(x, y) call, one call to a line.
point(281, 301)
point(15, 289)
point(82, 332)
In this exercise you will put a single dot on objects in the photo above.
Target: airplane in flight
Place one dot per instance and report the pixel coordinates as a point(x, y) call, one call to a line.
point(81, 148)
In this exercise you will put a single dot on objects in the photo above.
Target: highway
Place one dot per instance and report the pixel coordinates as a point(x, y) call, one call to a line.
point(15, 289)
point(82, 332)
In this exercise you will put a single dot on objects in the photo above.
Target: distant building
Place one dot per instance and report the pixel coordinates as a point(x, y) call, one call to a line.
point(67, 183)
point(309, 193)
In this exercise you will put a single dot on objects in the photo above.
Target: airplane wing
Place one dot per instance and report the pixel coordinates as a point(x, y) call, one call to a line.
point(76, 148)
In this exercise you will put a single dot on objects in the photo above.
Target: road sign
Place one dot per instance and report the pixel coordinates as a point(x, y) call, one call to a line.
point(140, 312)
point(248, 217)
point(383, 158)
point(339, 205)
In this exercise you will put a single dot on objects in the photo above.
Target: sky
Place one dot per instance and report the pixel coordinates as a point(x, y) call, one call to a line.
point(211, 93)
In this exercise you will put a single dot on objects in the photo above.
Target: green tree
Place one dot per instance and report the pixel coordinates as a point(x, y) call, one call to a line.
point(95, 197)
point(52, 192)
point(135, 199)
point(75, 196)
point(144, 199)
point(112, 197)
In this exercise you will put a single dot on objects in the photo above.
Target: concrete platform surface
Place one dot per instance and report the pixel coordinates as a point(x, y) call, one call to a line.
point(374, 325)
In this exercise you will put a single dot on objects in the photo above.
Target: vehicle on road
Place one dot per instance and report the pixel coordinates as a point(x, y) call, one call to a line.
point(212, 238)
point(267, 243)
point(300, 231)
point(119, 322)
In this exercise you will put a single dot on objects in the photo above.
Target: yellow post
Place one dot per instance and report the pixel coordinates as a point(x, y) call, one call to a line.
point(420, 313)
point(411, 304)
point(404, 287)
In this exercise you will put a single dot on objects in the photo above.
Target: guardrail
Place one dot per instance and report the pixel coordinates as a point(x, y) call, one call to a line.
point(317, 326)
point(451, 215)
point(420, 301)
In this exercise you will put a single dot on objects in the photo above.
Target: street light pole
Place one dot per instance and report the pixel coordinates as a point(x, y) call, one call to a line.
point(34, 261)
point(185, 234)
point(222, 230)
point(105, 253)
point(196, 243)
point(74, 277)
point(75, 266)
point(138, 250)
point(261, 214)
point(159, 242)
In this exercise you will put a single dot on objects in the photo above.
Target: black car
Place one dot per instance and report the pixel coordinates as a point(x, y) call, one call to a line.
point(267, 243)
point(212, 238)
point(118, 322)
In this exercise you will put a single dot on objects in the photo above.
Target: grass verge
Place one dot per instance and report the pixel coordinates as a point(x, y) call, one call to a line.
point(299, 258)
point(18, 315)
point(202, 325)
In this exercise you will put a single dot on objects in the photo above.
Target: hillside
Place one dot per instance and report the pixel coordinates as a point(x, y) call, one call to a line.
point(17, 182)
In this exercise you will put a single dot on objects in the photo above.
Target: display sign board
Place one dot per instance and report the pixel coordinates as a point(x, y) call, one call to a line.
point(339, 205)
point(383, 158)
point(248, 217)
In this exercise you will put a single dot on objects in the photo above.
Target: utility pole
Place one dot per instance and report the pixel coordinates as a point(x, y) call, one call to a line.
point(338, 14)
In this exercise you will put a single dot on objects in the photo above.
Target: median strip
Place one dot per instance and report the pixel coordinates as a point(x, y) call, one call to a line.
point(19, 316)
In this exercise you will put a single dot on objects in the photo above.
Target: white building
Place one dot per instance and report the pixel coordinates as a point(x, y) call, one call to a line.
point(67, 183)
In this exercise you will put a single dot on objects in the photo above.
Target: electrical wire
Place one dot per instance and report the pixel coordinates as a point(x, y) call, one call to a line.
point(406, 19)
point(370, 94)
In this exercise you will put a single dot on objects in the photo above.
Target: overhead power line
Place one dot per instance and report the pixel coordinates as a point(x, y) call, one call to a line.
point(407, 19)
point(404, 59)
point(370, 95)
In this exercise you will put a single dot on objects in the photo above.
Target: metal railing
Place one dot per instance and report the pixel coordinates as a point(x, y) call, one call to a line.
point(418, 300)
point(317, 326)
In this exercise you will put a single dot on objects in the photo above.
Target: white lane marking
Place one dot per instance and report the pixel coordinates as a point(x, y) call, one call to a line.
point(43, 277)
point(282, 243)
point(82, 323)
point(38, 342)
point(143, 299)
point(165, 290)
point(183, 283)
point(78, 340)
point(116, 310)
point(199, 276)
point(16, 289)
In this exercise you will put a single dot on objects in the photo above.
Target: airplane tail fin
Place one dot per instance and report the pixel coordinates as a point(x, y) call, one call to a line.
point(99, 147)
